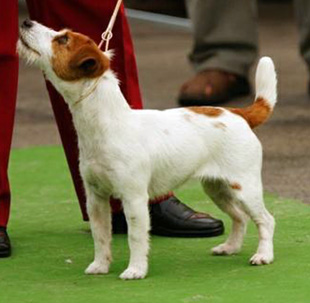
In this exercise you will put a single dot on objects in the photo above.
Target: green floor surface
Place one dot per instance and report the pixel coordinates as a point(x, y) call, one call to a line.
point(52, 247)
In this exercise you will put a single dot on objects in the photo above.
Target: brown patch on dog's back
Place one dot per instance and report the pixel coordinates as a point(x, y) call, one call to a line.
point(76, 56)
point(236, 186)
point(255, 114)
point(206, 110)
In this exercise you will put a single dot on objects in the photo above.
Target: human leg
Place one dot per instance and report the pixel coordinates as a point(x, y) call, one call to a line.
point(224, 48)
point(89, 18)
point(8, 90)
point(302, 12)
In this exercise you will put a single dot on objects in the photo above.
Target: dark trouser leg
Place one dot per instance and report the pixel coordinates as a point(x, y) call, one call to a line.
point(302, 11)
point(91, 18)
point(8, 90)
point(225, 35)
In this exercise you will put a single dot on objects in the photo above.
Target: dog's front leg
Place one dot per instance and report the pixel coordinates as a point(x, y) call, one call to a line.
point(138, 221)
point(99, 213)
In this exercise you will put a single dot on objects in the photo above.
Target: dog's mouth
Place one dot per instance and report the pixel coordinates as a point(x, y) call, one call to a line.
point(26, 45)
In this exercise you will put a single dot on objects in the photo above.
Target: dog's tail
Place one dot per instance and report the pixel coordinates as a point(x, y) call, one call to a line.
point(266, 94)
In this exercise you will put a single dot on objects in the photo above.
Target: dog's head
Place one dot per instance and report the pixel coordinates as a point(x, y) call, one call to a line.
point(63, 56)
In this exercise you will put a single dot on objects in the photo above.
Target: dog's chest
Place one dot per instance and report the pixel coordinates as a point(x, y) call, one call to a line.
point(96, 176)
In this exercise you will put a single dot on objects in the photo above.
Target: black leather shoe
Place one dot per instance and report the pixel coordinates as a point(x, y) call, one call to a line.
point(5, 245)
point(171, 218)
point(119, 224)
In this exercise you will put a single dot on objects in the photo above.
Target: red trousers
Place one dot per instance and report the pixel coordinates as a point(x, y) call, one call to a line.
point(89, 17)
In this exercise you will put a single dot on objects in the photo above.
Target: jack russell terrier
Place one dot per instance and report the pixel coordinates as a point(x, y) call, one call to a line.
point(135, 155)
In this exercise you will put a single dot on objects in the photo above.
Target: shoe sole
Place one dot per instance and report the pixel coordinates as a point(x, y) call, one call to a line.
point(5, 254)
point(165, 232)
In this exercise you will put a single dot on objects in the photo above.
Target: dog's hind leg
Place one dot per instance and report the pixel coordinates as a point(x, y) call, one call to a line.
point(223, 196)
point(138, 221)
point(99, 212)
point(251, 199)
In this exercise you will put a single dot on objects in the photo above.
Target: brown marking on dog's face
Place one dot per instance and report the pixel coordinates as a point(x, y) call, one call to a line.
point(76, 56)
point(220, 125)
point(236, 186)
point(206, 110)
point(255, 114)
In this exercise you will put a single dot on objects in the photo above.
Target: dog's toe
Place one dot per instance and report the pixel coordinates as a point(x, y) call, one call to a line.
point(97, 268)
point(261, 259)
point(132, 273)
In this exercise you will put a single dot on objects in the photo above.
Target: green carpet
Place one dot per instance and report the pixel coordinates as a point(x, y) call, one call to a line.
point(52, 247)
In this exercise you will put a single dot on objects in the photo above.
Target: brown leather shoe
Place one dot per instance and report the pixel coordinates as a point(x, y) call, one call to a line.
point(5, 245)
point(212, 87)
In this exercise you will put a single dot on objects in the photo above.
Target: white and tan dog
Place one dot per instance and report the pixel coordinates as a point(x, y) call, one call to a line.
point(134, 155)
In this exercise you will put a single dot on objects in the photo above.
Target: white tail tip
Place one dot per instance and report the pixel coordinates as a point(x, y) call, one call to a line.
point(266, 81)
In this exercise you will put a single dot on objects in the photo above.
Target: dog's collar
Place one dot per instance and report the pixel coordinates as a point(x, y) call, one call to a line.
point(88, 92)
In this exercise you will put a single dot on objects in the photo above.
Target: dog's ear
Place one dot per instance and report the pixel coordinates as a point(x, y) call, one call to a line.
point(89, 62)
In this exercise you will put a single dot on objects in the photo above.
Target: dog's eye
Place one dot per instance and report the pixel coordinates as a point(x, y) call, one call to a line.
point(62, 39)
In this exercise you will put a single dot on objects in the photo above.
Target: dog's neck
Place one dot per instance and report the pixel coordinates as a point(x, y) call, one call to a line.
point(102, 108)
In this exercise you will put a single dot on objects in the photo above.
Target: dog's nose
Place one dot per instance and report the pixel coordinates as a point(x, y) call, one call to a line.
point(27, 24)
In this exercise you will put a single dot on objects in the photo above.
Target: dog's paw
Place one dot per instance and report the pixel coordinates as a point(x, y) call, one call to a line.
point(261, 259)
point(97, 268)
point(224, 250)
point(132, 273)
